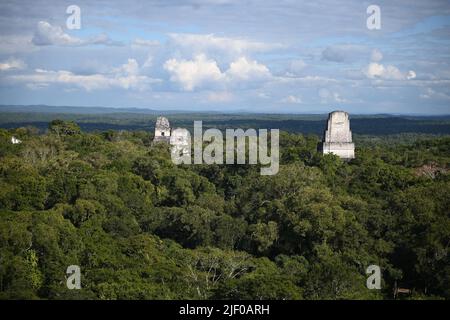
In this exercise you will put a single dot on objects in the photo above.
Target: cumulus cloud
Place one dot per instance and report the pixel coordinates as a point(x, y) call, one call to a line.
point(193, 73)
point(201, 71)
point(12, 64)
point(244, 69)
point(46, 35)
point(379, 71)
point(129, 68)
point(126, 77)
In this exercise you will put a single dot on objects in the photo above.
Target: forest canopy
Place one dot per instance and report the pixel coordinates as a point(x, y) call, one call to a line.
point(141, 227)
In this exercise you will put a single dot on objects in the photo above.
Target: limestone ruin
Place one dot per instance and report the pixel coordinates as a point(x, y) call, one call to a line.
point(338, 137)
point(162, 130)
point(179, 138)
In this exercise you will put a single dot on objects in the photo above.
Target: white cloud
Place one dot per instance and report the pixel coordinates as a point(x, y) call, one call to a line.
point(193, 73)
point(243, 69)
point(201, 71)
point(378, 71)
point(46, 35)
point(11, 64)
point(411, 75)
point(375, 70)
point(291, 99)
point(125, 77)
point(129, 68)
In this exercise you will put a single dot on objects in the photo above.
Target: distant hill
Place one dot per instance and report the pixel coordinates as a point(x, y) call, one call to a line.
point(105, 118)
point(72, 110)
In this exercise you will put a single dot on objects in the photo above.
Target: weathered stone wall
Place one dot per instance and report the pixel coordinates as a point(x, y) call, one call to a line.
point(338, 137)
point(338, 129)
point(162, 129)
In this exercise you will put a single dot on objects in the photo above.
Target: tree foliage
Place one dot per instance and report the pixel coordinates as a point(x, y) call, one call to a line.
point(140, 227)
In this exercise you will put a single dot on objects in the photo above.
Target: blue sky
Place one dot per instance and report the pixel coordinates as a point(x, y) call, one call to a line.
point(227, 55)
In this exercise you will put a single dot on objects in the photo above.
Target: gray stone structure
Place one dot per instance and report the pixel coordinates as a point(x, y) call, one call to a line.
point(162, 130)
point(338, 137)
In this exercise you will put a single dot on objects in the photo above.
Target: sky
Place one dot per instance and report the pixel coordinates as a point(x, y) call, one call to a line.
point(280, 56)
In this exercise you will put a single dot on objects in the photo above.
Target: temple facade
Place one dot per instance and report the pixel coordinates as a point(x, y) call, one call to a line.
point(162, 130)
point(337, 138)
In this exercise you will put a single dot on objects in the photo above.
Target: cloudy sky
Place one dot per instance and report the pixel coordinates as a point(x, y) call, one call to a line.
point(228, 55)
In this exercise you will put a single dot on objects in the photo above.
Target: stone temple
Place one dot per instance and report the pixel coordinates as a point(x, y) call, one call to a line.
point(179, 138)
point(162, 130)
point(338, 137)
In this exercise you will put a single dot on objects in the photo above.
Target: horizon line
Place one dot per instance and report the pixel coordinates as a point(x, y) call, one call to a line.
point(236, 111)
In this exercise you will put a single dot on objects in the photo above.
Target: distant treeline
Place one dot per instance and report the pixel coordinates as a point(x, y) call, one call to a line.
point(306, 124)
